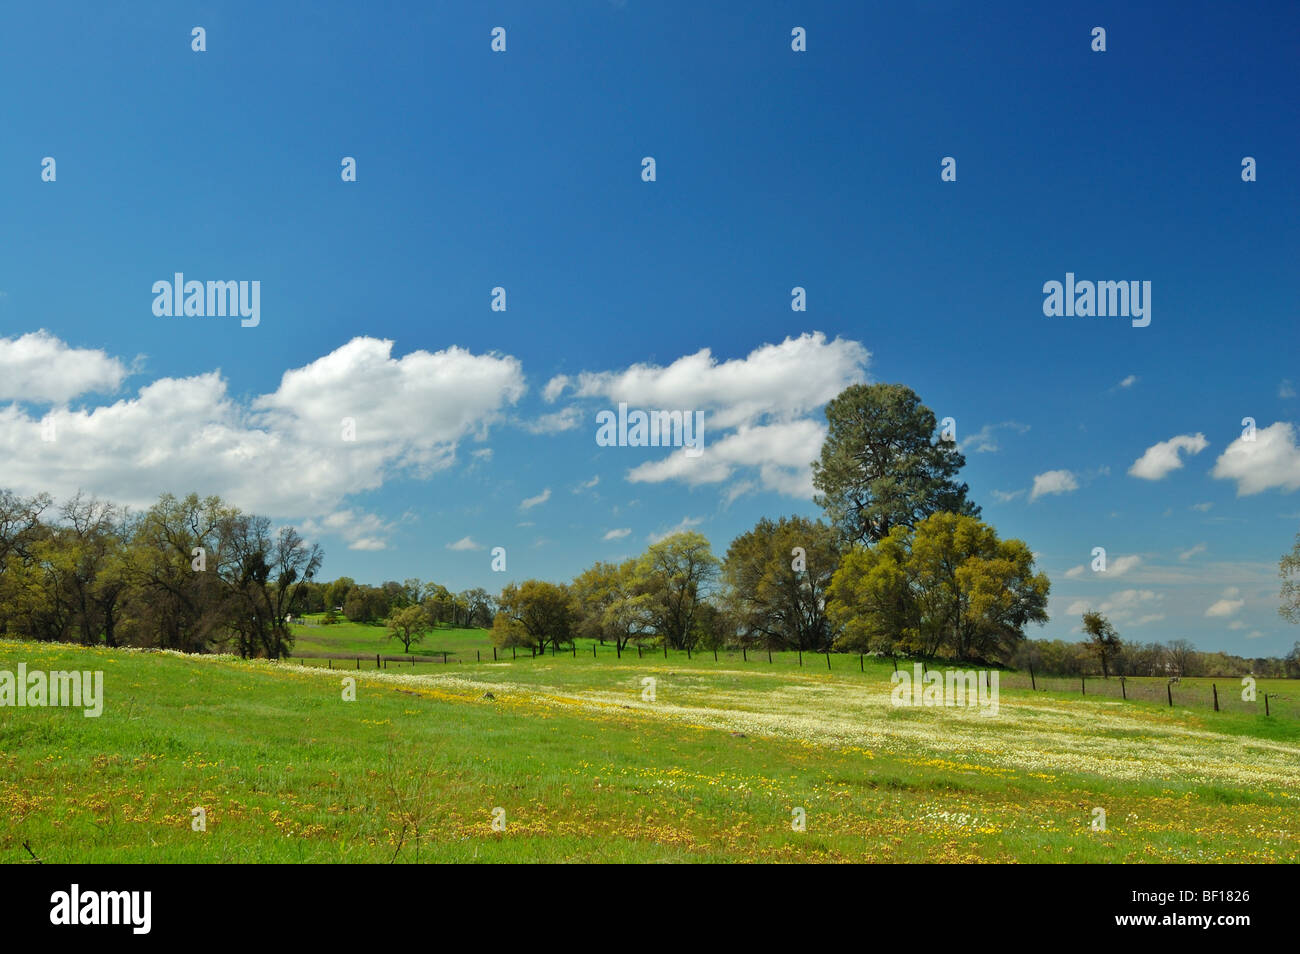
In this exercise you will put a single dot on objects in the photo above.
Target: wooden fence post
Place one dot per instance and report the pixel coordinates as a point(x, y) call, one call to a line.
point(1216, 696)
point(828, 660)
point(1032, 683)
point(715, 654)
point(444, 659)
point(1266, 703)
point(665, 649)
point(769, 654)
point(376, 660)
point(478, 656)
point(1122, 691)
point(1169, 688)
point(862, 666)
point(1083, 684)
point(743, 654)
point(801, 658)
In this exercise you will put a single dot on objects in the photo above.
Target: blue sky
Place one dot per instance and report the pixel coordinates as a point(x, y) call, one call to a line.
point(775, 169)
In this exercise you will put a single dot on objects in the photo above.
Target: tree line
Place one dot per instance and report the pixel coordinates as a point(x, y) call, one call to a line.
point(900, 564)
point(345, 598)
point(192, 574)
point(1122, 657)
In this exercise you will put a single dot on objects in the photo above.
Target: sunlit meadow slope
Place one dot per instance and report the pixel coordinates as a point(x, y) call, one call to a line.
point(584, 768)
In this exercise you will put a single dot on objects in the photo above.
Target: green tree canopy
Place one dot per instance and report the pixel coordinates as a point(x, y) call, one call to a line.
point(776, 577)
point(535, 614)
point(1289, 569)
point(949, 586)
point(614, 603)
point(1104, 640)
point(678, 573)
point(408, 625)
point(882, 465)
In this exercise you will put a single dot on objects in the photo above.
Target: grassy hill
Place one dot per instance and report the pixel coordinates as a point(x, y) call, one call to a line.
point(586, 769)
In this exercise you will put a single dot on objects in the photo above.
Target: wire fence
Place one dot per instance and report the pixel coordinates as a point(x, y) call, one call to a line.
point(1226, 694)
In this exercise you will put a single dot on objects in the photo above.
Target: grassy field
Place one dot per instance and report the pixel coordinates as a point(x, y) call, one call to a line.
point(347, 641)
point(350, 639)
point(586, 769)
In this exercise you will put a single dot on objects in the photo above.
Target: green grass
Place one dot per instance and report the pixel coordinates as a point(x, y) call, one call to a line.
point(366, 639)
point(587, 770)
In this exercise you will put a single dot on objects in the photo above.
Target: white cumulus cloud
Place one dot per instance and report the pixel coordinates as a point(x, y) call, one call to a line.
point(1161, 459)
point(1228, 605)
point(1053, 482)
point(759, 411)
point(361, 531)
point(782, 380)
point(782, 454)
point(284, 453)
point(1270, 461)
point(41, 369)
